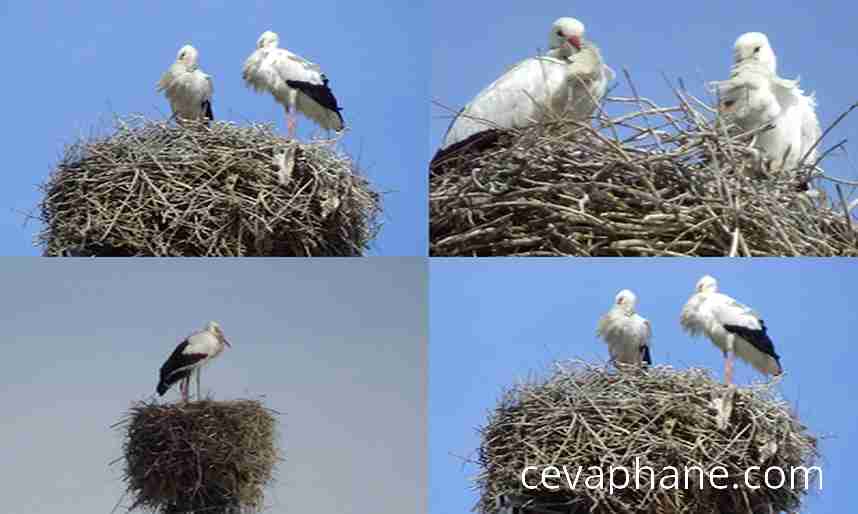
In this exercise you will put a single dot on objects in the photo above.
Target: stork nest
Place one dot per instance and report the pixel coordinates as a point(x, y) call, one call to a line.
point(154, 188)
point(586, 416)
point(656, 182)
point(205, 456)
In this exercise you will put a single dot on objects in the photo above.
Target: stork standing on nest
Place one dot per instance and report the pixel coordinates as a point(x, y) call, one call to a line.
point(188, 89)
point(626, 332)
point(296, 83)
point(533, 89)
point(189, 357)
point(734, 328)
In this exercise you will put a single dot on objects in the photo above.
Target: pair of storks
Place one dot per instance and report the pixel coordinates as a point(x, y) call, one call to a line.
point(734, 328)
point(296, 83)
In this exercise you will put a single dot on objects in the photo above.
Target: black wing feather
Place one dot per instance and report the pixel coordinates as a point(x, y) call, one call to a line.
point(172, 371)
point(759, 339)
point(320, 93)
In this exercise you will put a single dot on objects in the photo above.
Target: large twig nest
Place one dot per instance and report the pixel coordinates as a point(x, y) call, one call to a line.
point(204, 456)
point(590, 416)
point(661, 181)
point(154, 188)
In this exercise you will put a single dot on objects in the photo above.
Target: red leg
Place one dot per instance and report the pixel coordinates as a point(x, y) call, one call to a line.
point(290, 123)
point(728, 369)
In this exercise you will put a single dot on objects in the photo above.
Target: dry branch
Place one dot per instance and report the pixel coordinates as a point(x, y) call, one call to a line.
point(206, 456)
point(656, 182)
point(157, 189)
point(586, 415)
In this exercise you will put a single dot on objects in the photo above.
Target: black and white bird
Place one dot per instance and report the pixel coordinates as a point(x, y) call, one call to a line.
point(189, 357)
point(734, 328)
point(295, 83)
point(187, 88)
point(569, 79)
point(626, 332)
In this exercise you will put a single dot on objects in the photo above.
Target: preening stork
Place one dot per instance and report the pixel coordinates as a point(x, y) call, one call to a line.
point(626, 332)
point(189, 357)
point(569, 79)
point(188, 89)
point(754, 96)
point(734, 328)
point(295, 83)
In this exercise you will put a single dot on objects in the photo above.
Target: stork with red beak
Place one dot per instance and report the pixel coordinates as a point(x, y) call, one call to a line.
point(534, 90)
point(189, 357)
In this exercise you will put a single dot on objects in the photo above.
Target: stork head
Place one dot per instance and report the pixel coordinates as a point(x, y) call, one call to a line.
point(706, 284)
point(188, 55)
point(754, 47)
point(566, 34)
point(268, 39)
point(215, 329)
point(626, 300)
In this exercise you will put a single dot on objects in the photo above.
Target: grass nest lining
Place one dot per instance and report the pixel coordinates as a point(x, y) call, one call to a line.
point(655, 182)
point(154, 188)
point(585, 416)
point(206, 456)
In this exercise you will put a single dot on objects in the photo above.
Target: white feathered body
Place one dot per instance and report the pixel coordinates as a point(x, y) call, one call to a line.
point(532, 90)
point(271, 69)
point(754, 97)
point(588, 82)
point(188, 90)
point(712, 313)
point(626, 332)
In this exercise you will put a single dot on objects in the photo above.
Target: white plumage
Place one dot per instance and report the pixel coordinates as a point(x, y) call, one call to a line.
point(295, 83)
point(755, 96)
point(189, 357)
point(732, 327)
point(187, 88)
point(570, 78)
point(626, 332)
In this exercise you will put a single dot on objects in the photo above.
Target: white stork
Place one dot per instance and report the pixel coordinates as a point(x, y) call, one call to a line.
point(734, 328)
point(190, 356)
point(626, 332)
point(754, 96)
point(188, 89)
point(295, 83)
point(569, 79)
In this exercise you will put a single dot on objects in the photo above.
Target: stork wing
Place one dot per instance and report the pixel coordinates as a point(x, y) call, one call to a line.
point(810, 129)
point(728, 311)
point(518, 98)
point(315, 98)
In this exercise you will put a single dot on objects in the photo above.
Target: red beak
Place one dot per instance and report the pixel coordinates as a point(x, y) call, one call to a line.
point(575, 41)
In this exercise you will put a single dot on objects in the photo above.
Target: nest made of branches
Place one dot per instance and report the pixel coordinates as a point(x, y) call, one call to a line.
point(155, 188)
point(585, 415)
point(655, 182)
point(204, 456)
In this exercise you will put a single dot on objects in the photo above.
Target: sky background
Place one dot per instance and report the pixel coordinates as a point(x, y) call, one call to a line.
point(496, 322)
point(75, 65)
point(337, 346)
point(813, 40)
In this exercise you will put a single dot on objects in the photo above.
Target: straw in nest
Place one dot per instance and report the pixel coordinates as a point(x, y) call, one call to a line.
point(656, 182)
point(158, 189)
point(204, 456)
point(586, 416)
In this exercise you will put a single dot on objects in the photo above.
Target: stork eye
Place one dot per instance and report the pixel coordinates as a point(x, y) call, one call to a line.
point(560, 33)
point(729, 103)
point(757, 50)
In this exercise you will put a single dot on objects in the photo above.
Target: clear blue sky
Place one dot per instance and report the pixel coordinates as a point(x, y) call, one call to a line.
point(494, 322)
point(338, 346)
point(474, 44)
point(71, 66)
